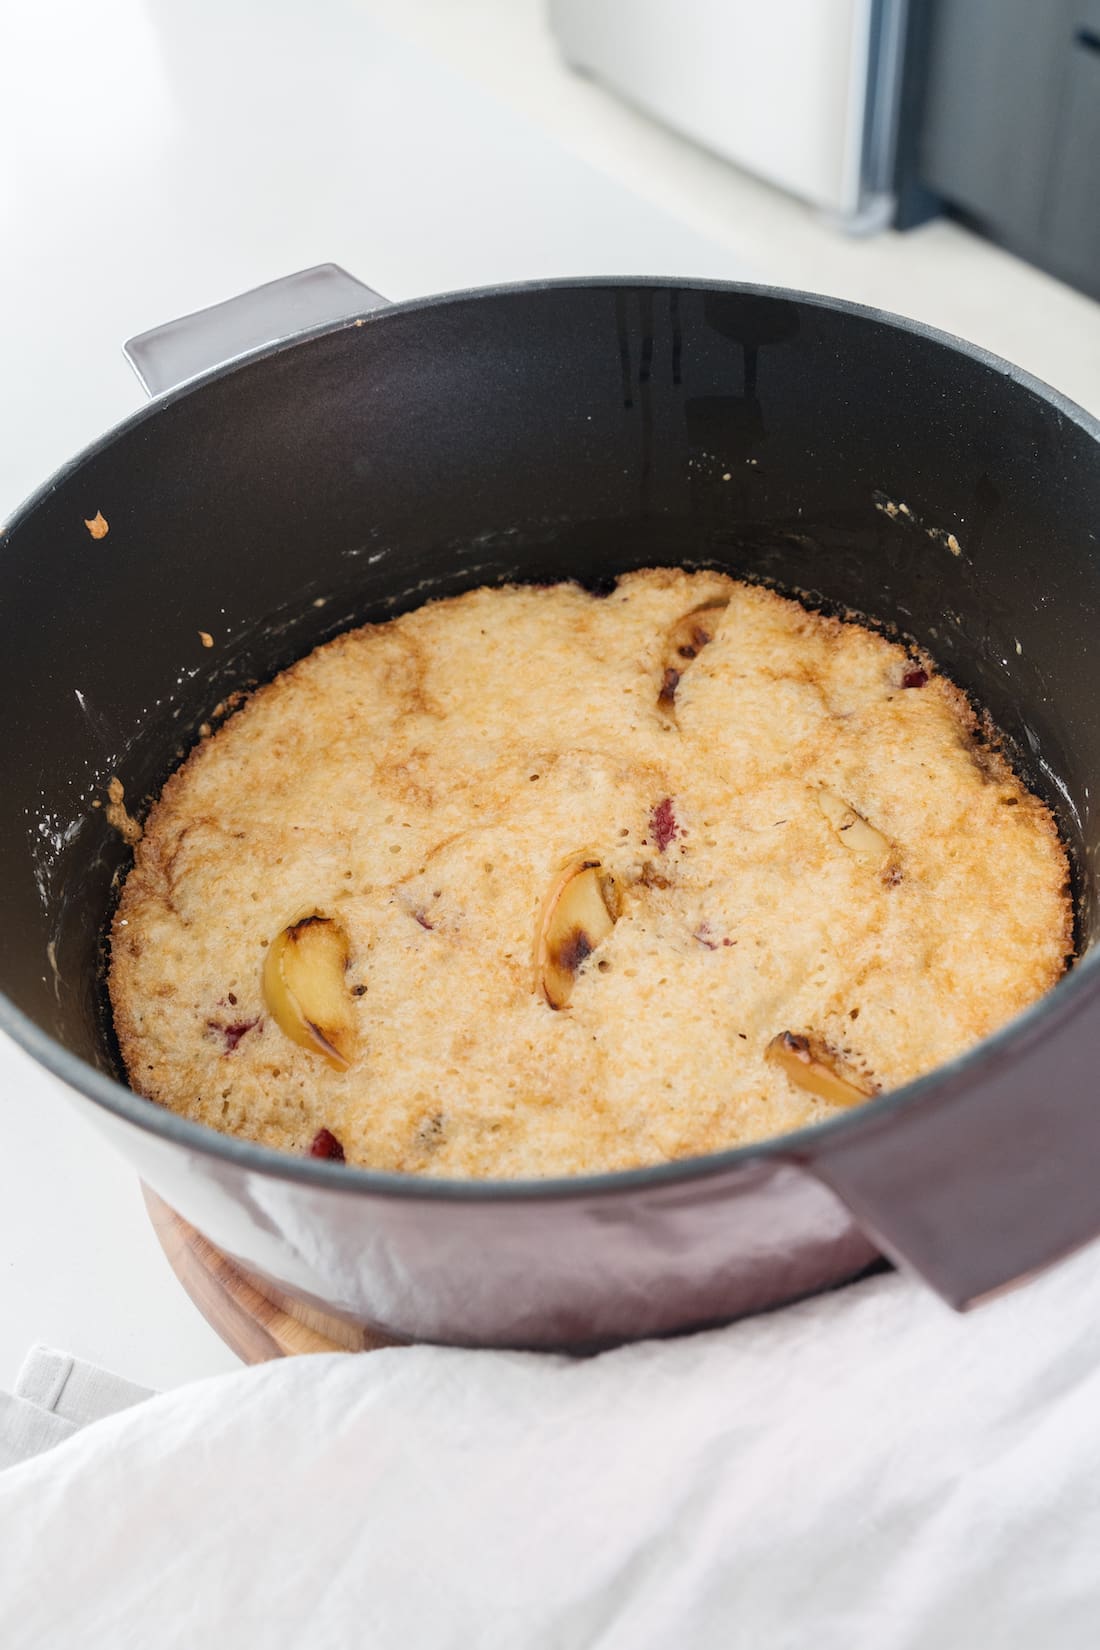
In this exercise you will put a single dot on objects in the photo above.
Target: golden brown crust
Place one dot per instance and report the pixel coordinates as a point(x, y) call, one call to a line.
point(425, 780)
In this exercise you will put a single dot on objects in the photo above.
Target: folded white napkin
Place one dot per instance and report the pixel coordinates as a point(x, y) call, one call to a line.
point(55, 1395)
point(866, 1469)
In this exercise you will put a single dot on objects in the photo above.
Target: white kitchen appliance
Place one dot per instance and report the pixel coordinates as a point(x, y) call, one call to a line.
point(802, 92)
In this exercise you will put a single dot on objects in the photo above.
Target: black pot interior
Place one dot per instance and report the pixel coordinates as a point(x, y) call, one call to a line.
point(537, 433)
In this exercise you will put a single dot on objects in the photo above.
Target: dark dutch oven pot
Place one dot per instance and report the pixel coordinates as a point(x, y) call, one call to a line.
point(543, 432)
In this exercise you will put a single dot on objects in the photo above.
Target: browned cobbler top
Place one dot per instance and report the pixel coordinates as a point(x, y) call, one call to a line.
point(530, 882)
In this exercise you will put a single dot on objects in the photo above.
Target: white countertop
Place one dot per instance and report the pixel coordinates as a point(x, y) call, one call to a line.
point(157, 158)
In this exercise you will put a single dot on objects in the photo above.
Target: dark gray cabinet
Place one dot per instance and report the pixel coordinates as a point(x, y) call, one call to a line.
point(1071, 218)
point(1011, 128)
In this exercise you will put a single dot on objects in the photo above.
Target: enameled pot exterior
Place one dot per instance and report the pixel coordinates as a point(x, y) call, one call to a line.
point(566, 431)
point(579, 1270)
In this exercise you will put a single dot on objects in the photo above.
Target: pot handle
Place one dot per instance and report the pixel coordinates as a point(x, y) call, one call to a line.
point(171, 354)
point(987, 1174)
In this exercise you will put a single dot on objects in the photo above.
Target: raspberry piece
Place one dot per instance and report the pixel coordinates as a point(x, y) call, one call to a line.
point(325, 1144)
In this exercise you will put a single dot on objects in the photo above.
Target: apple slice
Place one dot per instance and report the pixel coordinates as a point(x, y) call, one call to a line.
point(306, 991)
point(810, 1065)
point(852, 829)
point(685, 640)
point(691, 633)
point(577, 915)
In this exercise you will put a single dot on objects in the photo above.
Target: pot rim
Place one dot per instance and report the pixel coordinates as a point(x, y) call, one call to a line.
point(1063, 1000)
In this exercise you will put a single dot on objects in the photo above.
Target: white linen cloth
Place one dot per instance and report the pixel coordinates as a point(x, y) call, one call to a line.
point(865, 1469)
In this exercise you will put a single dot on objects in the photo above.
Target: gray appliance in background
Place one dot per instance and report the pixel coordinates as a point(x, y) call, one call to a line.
point(879, 111)
point(805, 93)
